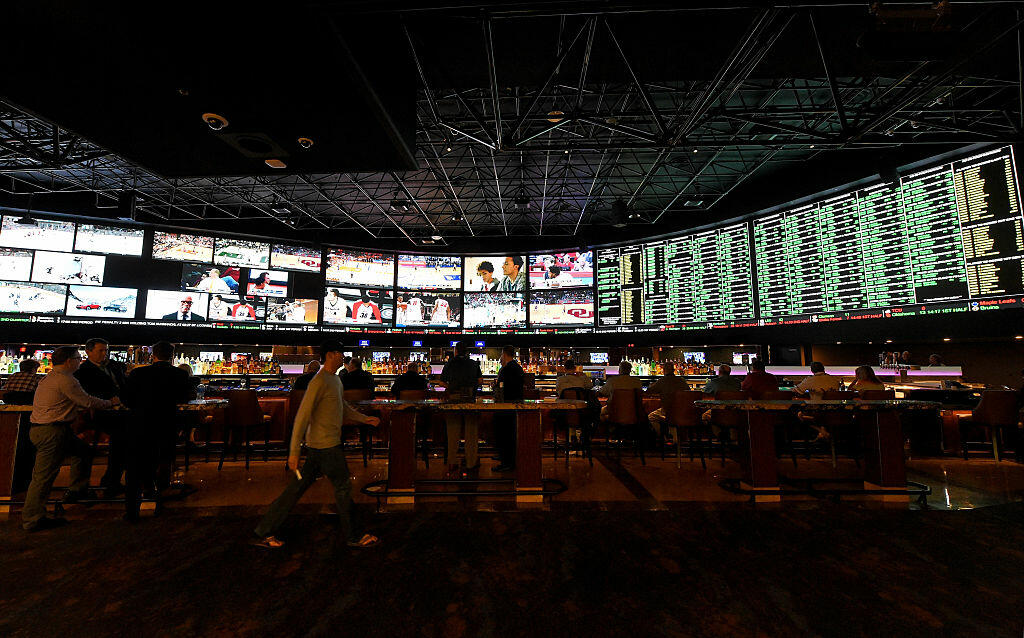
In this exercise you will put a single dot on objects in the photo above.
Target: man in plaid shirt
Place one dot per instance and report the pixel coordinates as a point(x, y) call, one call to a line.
point(23, 382)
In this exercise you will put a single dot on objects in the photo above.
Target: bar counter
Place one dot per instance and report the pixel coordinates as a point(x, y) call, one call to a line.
point(402, 449)
point(884, 464)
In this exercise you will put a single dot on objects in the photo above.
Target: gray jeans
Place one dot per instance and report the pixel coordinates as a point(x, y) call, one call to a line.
point(331, 463)
point(53, 444)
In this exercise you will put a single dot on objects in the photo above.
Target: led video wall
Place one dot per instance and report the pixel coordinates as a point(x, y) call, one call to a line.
point(948, 237)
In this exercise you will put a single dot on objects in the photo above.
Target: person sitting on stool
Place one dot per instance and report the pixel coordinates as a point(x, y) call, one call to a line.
point(104, 378)
point(508, 389)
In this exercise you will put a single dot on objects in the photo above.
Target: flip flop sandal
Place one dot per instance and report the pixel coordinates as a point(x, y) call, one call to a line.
point(270, 542)
point(368, 540)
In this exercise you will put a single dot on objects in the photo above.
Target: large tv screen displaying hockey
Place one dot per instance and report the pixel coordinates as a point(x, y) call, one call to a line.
point(430, 272)
point(68, 268)
point(44, 234)
point(110, 240)
point(32, 299)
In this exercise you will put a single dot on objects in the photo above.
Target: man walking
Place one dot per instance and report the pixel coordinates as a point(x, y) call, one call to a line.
point(318, 422)
point(58, 399)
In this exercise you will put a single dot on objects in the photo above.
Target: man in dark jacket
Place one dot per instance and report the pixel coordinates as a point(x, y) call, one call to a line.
point(105, 379)
point(509, 389)
point(411, 379)
point(153, 393)
point(353, 377)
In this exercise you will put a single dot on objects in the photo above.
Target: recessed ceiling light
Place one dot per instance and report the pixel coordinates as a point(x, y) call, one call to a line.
point(946, 339)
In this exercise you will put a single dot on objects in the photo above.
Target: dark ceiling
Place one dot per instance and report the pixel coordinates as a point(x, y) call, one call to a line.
point(543, 123)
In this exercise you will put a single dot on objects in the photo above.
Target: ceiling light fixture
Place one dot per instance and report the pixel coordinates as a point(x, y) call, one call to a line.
point(275, 163)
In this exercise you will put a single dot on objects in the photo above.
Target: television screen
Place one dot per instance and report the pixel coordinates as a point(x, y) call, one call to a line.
point(96, 301)
point(599, 357)
point(176, 305)
point(428, 309)
point(204, 278)
point(694, 357)
point(234, 308)
point(45, 234)
point(495, 310)
point(267, 283)
point(211, 356)
point(354, 306)
point(295, 311)
point(562, 270)
point(353, 268)
point(68, 268)
point(295, 258)
point(571, 307)
point(495, 273)
point(429, 272)
point(111, 240)
point(32, 299)
point(381, 356)
point(241, 252)
point(743, 358)
point(16, 264)
point(179, 247)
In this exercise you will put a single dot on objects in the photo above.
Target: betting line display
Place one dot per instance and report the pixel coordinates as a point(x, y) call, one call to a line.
point(699, 280)
point(949, 237)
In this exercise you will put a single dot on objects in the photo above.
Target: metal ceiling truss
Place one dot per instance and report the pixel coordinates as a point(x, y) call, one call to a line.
point(550, 159)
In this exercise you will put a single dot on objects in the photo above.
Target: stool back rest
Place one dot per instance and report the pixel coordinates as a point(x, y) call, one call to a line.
point(243, 408)
point(681, 411)
point(294, 401)
point(732, 418)
point(531, 393)
point(412, 395)
point(877, 395)
point(839, 395)
point(624, 407)
point(574, 394)
point(777, 395)
point(997, 407)
point(360, 394)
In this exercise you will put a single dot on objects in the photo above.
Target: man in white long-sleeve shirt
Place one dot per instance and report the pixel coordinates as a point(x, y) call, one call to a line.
point(58, 399)
point(318, 421)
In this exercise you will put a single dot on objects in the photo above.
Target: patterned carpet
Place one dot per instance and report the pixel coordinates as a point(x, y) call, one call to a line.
point(728, 570)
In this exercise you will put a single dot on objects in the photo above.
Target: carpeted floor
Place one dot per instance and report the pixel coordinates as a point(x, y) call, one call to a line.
point(723, 570)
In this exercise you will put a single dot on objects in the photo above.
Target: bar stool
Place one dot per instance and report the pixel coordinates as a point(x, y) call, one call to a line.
point(421, 432)
point(789, 421)
point(365, 436)
point(998, 410)
point(839, 424)
point(569, 420)
point(682, 415)
point(244, 414)
point(727, 421)
point(625, 413)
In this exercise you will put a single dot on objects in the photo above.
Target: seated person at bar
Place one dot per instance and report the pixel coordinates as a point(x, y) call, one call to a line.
point(22, 384)
point(572, 378)
point(318, 423)
point(104, 378)
point(354, 377)
point(866, 380)
point(621, 381)
point(905, 358)
point(308, 372)
point(411, 379)
point(153, 393)
point(508, 388)
point(461, 376)
point(723, 382)
point(665, 387)
point(935, 360)
point(757, 381)
point(816, 385)
point(59, 398)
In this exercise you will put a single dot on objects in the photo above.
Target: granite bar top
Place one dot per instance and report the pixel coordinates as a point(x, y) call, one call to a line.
point(485, 404)
point(191, 406)
point(823, 405)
